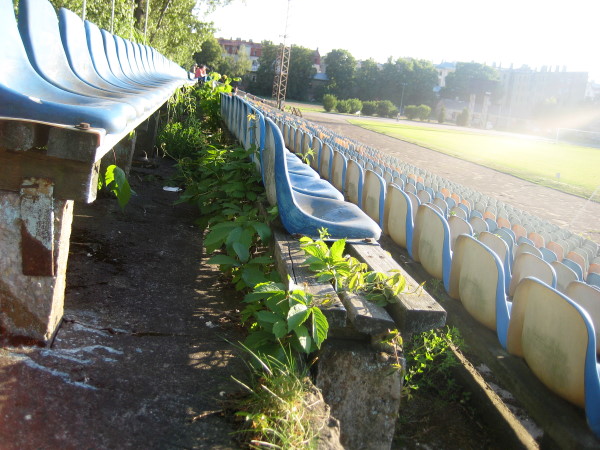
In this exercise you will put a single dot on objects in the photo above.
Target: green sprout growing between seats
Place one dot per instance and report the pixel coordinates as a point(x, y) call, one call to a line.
point(346, 272)
point(283, 320)
point(115, 180)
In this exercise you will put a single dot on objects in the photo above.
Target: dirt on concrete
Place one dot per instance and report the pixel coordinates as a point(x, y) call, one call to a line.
point(144, 355)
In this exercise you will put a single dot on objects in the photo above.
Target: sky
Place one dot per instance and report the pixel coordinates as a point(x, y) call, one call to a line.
point(507, 32)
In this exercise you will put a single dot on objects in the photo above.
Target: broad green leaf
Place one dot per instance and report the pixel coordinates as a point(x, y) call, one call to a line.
point(270, 287)
point(234, 235)
point(253, 275)
point(257, 338)
point(267, 316)
point(280, 329)
point(297, 315)
point(337, 249)
point(242, 251)
point(116, 181)
point(222, 260)
point(216, 237)
point(261, 260)
point(319, 326)
point(263, 230)
point(303, 338)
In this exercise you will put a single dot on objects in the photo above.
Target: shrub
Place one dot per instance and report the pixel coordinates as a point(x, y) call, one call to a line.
point(463, 118)
point(329, 102)
point(343, 106)
point(393, 112)
point(355, 105)
point(442, 115)
point(411, 112)
point(369, 108)
point(384, 107)
point(423, 112)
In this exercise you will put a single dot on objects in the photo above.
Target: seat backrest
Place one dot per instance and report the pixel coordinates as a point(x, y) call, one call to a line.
point(593, 279)
point(557, 249)
point(316, 146)
point(441, 203)
point(564, 276)
point(338, 170)
point(424, 196)
point(326, 160)
point(550, 332)
point(588, 298)
point(477, 279)
point(431, 243)
point(499, 247)
point(398, 217)
point(524, 247)
point(458, 226)
point(268, 165)
point(353, 184)
point(529, 265)
point(537, 239)
point(579, 259)
point(373, 196)
point(519, 230)
point(478, 224)
point(548, 255)
point(574, 266)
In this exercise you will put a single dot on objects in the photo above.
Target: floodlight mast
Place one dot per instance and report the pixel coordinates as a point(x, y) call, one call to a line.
point(282, 65)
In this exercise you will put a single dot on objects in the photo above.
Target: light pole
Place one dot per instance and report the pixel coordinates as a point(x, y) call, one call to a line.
point(402, 98)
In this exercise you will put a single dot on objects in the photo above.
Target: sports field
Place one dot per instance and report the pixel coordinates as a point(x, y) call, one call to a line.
point(530, 158)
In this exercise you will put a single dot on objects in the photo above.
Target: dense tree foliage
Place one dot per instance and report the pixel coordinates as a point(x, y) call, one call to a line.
point(173, 26)
point(472, 78)
point(366, 80)
point(301, 71)
point(340, 71)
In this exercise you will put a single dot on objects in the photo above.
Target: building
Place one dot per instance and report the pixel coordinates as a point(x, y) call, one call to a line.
point(238, 47)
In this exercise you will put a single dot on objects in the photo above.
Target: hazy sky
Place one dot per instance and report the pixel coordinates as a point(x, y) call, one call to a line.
point(533, 32)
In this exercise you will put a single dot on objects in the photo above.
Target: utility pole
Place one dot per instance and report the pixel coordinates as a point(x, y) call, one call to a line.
point(282, 65)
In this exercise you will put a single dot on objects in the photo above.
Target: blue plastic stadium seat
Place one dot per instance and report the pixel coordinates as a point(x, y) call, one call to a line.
point(305, 214)
point(24, 94)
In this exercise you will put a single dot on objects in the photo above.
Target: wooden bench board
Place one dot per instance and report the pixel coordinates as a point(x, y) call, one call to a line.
point(415, 310)
point(290, 260)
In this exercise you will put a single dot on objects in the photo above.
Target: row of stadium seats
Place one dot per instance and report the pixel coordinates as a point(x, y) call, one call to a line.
point(497, 272)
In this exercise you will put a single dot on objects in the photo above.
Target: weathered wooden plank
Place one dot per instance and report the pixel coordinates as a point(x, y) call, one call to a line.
point(366, 316)
point(73, 180)
point(73, 144)
point(415, 310)
point(290, 261)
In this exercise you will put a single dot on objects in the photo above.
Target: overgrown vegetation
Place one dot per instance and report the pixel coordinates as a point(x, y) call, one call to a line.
point(284, 325)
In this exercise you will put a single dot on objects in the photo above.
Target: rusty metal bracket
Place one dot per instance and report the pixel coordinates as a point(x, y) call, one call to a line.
point(37, 227)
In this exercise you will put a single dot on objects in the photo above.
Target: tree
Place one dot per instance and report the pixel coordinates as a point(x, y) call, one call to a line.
point(366, 80)
point(471, 78)
point(340, 71)
point(300, 73)
point(263, 85)
point(173, 26)
point(210, 53)
point(232, 66)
